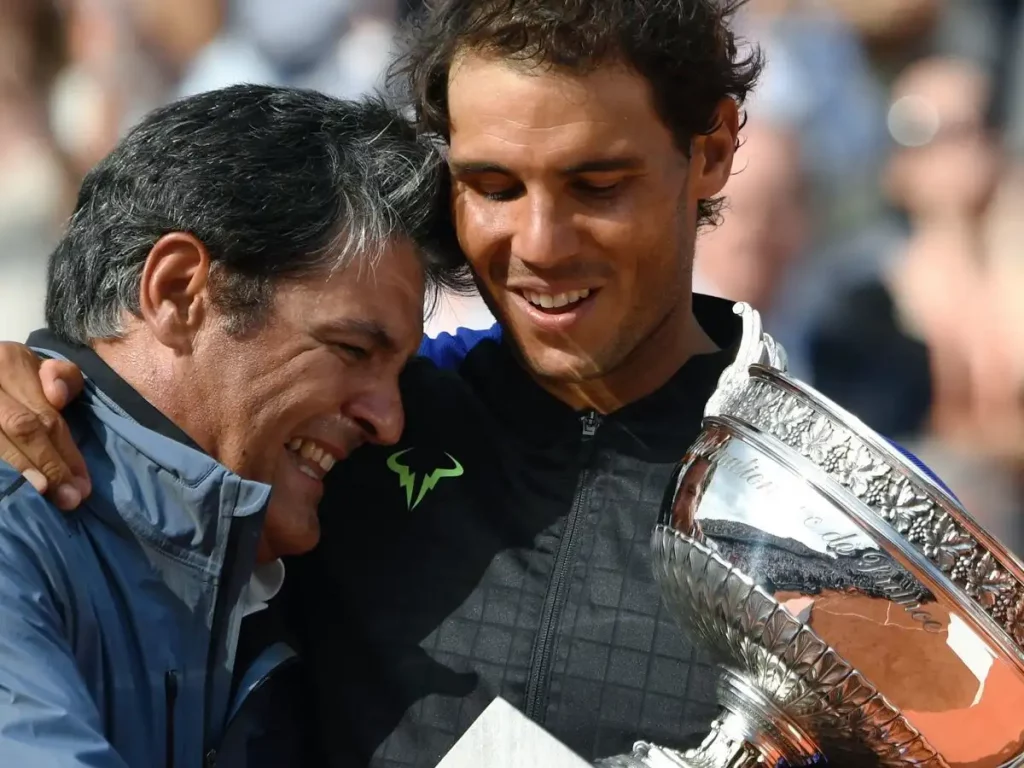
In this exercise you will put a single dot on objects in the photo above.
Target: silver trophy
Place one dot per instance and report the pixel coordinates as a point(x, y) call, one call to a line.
point(859, 615)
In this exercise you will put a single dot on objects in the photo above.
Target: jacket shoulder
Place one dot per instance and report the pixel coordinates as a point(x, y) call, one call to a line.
point(10, 482)
point(445, 413)
point(21, 505)
point(436, 386)
point(34, 537)
point(449, 350)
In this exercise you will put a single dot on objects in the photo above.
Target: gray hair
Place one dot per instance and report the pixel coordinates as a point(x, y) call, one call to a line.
point(275, 182)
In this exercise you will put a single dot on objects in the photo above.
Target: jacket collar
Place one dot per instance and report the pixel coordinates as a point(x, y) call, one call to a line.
point(106, 379)
point(157, 478)
point(652, 423)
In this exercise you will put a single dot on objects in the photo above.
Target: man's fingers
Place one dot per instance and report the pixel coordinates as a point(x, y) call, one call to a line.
point(67, 449)
point(62, 382)
point(29, 442)
point(33, 437)
point(19, 376)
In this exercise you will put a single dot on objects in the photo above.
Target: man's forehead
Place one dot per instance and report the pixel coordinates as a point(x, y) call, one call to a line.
point(498, 89)
point(380, 300)
point(389, 332)
point(560, 118)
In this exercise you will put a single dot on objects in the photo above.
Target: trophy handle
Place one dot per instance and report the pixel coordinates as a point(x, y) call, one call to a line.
point(756, 347)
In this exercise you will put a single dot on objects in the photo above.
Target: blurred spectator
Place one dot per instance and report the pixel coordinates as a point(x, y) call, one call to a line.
point(891, 25)
point(32, 49)
point(341, 47)
point(124, 58)
point(765, 226)
point(76, 73)
point(820, 84)
point(992, 491)
point(897, 349)
point(34, 180)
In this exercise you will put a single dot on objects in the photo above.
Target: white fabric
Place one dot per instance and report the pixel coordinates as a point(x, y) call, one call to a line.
point(264, 584)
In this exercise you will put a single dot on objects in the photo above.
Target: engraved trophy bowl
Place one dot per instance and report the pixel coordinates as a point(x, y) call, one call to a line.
point(858, 614)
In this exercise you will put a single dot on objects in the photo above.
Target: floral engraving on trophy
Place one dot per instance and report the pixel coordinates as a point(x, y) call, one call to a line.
point(944, 543)
point(902, 507)
point(1015, 616)
point(991, 586)
point(894, 497)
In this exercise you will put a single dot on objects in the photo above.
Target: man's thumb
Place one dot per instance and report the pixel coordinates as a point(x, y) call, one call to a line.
point(62, 382)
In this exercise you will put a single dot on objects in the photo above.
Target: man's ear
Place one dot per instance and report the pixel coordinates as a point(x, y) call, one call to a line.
point(712, 154)
point(173, 295)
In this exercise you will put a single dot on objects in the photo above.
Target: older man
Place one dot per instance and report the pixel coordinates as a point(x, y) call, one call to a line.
point(241, 283)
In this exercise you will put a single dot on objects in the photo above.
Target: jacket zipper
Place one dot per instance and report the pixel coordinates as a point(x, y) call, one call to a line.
point(222, 616)
point(538, 682)
point(170, 700)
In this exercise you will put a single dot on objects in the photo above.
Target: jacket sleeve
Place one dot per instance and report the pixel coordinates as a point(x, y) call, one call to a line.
point(48, 718)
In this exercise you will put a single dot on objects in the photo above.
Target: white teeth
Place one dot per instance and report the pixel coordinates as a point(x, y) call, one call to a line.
point(307, 471)
point(555, 301)
point(314, 453)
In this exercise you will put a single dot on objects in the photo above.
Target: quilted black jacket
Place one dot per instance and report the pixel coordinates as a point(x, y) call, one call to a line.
point(501, 549)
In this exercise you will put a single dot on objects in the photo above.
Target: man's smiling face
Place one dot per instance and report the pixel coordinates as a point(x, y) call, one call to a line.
point(319, 379)
point(574, 206)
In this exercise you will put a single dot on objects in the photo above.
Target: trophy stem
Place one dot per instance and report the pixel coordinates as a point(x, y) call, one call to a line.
point(724, 747)
point(721, 749)
point(751, 732)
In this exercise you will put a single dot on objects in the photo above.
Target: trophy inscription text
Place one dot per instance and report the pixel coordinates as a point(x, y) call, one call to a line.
point(877, 566)
point(887, 579)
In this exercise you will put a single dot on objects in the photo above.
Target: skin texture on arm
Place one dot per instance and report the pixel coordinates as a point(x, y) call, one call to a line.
point(34, 439)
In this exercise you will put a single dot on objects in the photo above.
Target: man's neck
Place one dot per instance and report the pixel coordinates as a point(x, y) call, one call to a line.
point(143, 374)
point(645, 370)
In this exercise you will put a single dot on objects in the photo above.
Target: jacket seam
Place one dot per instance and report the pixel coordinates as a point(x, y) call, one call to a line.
point(13, 488)
point(180, 555)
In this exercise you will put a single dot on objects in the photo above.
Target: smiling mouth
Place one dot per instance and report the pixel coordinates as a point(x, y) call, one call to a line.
point(311, 458)
point(557, 303)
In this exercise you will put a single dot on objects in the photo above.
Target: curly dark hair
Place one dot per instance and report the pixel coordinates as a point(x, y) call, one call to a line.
point(684, 48)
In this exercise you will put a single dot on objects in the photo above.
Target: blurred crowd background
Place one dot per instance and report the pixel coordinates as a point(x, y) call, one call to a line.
point(873, 218)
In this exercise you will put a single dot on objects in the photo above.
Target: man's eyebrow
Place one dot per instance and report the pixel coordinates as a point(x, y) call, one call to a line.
point(625, 163)
point(370, 329)
point(476, 166)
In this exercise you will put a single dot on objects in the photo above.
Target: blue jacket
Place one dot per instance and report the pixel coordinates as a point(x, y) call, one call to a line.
point(119, 622)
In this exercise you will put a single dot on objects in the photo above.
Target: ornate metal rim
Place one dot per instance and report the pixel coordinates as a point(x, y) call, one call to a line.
point(888, 485)
point(905, 553)
point(755, 389)
point(940, 495)
point(756, 617)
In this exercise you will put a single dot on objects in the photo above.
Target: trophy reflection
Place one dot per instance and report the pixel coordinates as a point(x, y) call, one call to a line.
point(858, 614)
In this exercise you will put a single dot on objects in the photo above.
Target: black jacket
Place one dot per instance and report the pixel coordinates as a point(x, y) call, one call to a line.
point(501, 549)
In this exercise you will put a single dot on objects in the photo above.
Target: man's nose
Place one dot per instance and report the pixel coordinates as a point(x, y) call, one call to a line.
point(380, 414)
point(544, 232)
